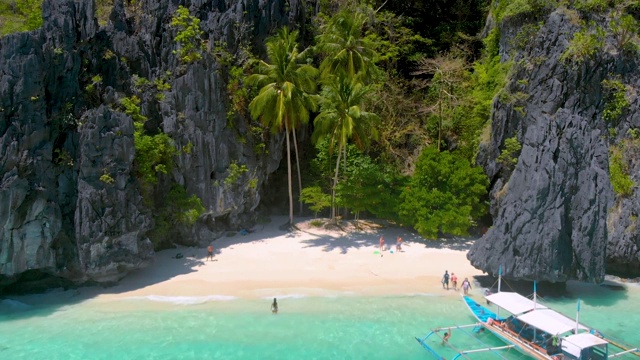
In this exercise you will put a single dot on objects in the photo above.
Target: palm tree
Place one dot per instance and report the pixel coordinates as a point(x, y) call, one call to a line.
point(346, 50)
point(284, 100)
point(342, 119)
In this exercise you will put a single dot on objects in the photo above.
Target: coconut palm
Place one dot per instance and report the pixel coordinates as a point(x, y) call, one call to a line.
point(284, 99)
point(347, 51)
point(342, 119)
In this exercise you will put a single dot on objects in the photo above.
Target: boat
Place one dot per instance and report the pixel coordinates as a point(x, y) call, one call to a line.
point(532, 329)
point(540, 332)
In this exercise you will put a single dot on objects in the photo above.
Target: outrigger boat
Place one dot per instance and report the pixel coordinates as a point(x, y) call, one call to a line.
point(535, 331)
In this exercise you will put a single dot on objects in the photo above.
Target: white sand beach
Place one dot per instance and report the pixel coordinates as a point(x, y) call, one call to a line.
point(311, 261)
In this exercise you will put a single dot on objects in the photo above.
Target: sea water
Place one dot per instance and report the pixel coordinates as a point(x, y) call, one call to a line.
point(62, 326)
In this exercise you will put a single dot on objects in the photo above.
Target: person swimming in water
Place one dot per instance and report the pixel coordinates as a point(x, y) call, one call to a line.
point(274, 306)
point(445, 338)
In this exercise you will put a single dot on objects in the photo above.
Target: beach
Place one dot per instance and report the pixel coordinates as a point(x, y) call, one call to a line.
point(338, 299)
point(306, 261)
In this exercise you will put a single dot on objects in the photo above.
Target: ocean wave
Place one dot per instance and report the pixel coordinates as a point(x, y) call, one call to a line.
point(286, 296)
point(185, 300)
point(14, 304)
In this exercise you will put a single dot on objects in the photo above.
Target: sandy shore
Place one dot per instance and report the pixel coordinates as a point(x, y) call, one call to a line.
point(311, 261)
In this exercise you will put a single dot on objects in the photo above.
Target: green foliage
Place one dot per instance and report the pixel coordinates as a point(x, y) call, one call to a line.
point(61, 156)
point(237, 92)
point(188, 148)
point(619, 172)
point(315, 198)
point(185, 209)
point(106, 177)
point(94, 85)
point(492, 43)
point(625, 31)
point(176, 209)
point(103, 9)
point(615, 101)
point(364, 185)
point(162, 85)
point(32, 10)
point(235, 172)
point(526, 35)
point(369, 186)
point(487, 80)
point(345, 48)
point(189, 36)
point(509, 156)
point(597, 6)
point(392, 38)
point(154, 155)
point(131, 107)
point(444, 194)
point(316, 223)
point(584, 45)
point(20, 15)
point(506, 9)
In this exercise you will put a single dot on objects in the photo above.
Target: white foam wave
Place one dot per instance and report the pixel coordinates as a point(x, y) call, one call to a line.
point(185, 300)
point(286, 296)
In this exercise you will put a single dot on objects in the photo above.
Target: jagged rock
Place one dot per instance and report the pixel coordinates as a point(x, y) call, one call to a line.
point(550, 224)
point(58, 218)
point(110, 219)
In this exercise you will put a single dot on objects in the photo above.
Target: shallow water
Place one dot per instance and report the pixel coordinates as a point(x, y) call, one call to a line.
point(59, 326)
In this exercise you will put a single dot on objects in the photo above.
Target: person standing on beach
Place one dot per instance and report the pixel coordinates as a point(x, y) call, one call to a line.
point(399, 244)
point(454, 281)
point(274, 306)
point(466, 285)
point(381, 244)
point(445, 280)
point(210, 252)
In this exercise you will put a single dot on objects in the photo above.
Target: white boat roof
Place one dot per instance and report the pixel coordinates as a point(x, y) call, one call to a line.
point(573, 344)
point(549, 321)
point(513, 302)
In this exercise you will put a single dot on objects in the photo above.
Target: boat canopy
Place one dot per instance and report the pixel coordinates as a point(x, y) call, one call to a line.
point(513, 302)
point(549, 321)
point(574, 344)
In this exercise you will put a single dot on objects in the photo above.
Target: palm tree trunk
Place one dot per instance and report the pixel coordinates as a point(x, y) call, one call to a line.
point(295, 147)
point(335, 184)
point(286, 130)
point(344, 169)
point(439, 119)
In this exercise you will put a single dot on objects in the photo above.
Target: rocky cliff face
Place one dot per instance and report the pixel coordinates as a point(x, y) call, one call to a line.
point(71, 207)
point(556, 214)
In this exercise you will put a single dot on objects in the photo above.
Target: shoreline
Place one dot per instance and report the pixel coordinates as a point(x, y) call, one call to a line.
point(308, 261)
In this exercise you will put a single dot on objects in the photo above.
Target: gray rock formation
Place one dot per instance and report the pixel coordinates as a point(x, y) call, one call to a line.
point(70, 205)
point(553, 218)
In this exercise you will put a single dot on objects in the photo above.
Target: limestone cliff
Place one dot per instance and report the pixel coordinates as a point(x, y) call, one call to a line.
point(71, 207)
point(555, 215)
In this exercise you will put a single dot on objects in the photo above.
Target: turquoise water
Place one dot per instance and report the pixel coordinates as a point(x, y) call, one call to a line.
point(59, 326)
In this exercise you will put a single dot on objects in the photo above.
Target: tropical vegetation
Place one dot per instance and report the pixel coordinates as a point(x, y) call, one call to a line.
point(390, 102)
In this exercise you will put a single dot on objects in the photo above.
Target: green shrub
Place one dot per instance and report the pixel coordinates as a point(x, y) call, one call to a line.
point(316, 223)
point(584, 45)
point(509, 155)
point(316, 198)
point(189, 36)
point(444, 194)
point(615, 101)
point(597, 6)
point(619, 172)
point(234, 173)
point(107, 178)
